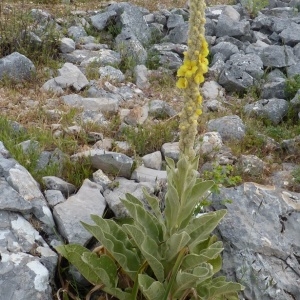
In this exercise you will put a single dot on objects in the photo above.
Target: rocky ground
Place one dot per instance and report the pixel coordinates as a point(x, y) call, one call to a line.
point(248, 91)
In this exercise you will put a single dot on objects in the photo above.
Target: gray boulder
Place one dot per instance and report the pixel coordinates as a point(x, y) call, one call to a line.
point(69, 77)
point(56, 183)
point(111, 73)
point(76, 32)
point(225, 48)
point(290, 36)
point(77, 208)
point(227, 26)
point(143, 174)
point(109, 162)
point(16, 67)
point(129, 46)
point(100, 21)
point(178, 35)
point(141, 76)
point(278, 56)
point(251, 165)
point(263, 253)
point(174, 20)
point(22, 181)
point(160, 109)
point(293, 70)
point(67, 45)
point(11, 200)
point(153, 160)
point(132, 18)
point(274, 89)
point(27, 263)
point(272, 109)
point(241, 71)
point(113, 197)
point(229, 127)
point(171, 150)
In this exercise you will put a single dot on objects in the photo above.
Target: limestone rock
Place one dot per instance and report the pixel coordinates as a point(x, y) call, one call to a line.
point(78, 208)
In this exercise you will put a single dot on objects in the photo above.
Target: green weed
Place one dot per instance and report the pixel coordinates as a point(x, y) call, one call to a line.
point(296, 174)
point(292, 86)
point(20, 33)
point(149, 137)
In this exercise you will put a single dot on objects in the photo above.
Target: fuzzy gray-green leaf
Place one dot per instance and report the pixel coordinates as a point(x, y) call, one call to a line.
point(126, 257)
point(192, 260)
point(186, 280)
point(73, 253)
point(149, 249)
point(172, 206)
point(201, 227)
point(146, 221)
point(151, 289)
point(175, 243)
point(103, 266)
point(154, 204)
point(197, 193)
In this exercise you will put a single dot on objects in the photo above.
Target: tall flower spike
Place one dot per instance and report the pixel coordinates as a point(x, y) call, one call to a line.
point(191, 74)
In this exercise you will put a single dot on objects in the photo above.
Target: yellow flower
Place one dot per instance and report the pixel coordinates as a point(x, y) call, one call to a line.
point(188, 68)
point(203, 63)
point(181, 83)
point(198, 112)
point(199, 78)
point(204, 48)
point(199, 99)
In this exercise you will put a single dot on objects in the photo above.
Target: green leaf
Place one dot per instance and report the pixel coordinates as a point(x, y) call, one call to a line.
point(216, 264)
point(74, 254)
point(218, 287)
point(110, 226)
point(143, 219)
point(207, 255)
point(148, 248)
point(117, 293)
point(151, 289)
point(154, 204)
point(175, 243)
point(126, 257)
point(186, 280)
point(170, 162)
point(185, 175)
point(198, 192)
point(201, 227)
point(103, 266)
point(172, 206)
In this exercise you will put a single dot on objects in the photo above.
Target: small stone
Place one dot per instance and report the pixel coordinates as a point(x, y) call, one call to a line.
point(153, 160)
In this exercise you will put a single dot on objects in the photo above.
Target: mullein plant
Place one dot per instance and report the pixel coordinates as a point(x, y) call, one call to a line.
point(170, 254)
point(191, 74)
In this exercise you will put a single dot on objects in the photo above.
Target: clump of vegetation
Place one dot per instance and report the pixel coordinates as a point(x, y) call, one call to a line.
point(20, 32)
point(292, 85)
point(222, 176)
point(72, 171)
point(296, 175)
point(150, 137)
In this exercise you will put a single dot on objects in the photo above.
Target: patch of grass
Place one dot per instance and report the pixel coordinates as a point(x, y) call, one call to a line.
point(292, 86)
point(254, 6)
point(150, 137)
point(92, 71)
point(296, 175)
point(152, 62)
point(72, 171)
point(20, 32)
